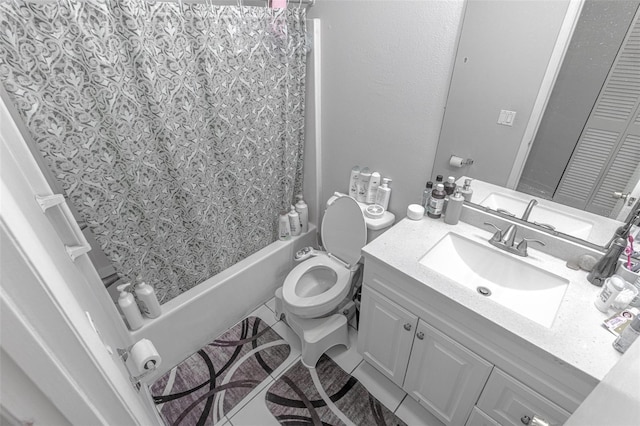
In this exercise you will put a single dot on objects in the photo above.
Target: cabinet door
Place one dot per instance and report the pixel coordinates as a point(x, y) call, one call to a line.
point(479, 418)
point(444, 376)
point(385, 334)
point(512, 403)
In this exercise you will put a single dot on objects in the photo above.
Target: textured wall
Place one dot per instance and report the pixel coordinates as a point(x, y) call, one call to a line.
point(386, 67)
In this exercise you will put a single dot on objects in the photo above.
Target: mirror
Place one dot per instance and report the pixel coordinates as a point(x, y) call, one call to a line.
point(505, 50)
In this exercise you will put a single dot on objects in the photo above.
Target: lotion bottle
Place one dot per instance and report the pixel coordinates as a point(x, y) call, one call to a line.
point(129, 307)
point(374, 184)
point(303, 211)
point(454, 208)
point(363, 185)
point(466, 190)
point(353, 182)
point(383, 194)
point(147, 300)
point(294, 222)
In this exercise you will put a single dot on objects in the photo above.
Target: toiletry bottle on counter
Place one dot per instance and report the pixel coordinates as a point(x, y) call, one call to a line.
point(436, 201)
point(450, 185)
point(383, 194)
point(439, 179)
point(454, 208)
point(466, 190)
point(628, 335)
point(303, 211)
point(374, 184)
point(363, 185)
point(426, 194)
point(294, 221)
point(147, 300)
point(129, 307)
point(353, 182)
point(284, 228)
point(610, 289)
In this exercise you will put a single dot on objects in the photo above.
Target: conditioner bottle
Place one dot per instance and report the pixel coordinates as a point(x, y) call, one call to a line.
point(147, 300)
point(294, 221)
point(129, 307)
point(303, 212)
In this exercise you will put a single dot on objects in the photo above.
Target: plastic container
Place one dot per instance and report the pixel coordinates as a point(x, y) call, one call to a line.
point(129, 307)
point(610, 289)
point(284, 228)
point(466, 190)
point(415, 211)
point(436, 202)
point(147, 300)
point(628, 335)
point(384, 194)
point(353, 182)
point(426, 194)
point(372, 191)
point(454, 208)
point(450, 185)
point(363, 185)
point(303, 211)
point(294, 222)
point(624, 298)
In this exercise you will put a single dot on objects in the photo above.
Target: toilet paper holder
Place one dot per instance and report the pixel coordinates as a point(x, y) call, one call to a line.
point(456, 161)
point(135, 379)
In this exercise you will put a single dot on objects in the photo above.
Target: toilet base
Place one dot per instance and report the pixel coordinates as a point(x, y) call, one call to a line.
point(317, 335)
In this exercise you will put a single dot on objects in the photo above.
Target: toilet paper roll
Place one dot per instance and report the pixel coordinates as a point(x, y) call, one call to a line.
point(144, 356)
point(455, 161)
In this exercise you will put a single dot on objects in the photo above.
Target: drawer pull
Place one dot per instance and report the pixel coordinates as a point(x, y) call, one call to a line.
point(420, 335)
point(536, 421)
point(407, 327)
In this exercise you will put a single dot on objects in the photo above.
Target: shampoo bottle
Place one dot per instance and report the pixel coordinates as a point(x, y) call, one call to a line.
point(147, 300)
point(363, 185)
point(374, 184)
point(294, 221)
point(384, 193)
point(284, 229)
point(129, 307)
point(303, 211)
point(454, 208)
point(436, 201)
point(466, 190)
point(353, 182)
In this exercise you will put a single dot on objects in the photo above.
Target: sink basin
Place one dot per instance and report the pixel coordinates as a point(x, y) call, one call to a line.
point(524, 288)
point(542, 214)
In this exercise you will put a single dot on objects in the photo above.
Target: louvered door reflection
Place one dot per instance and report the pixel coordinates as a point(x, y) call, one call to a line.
point(608, 151)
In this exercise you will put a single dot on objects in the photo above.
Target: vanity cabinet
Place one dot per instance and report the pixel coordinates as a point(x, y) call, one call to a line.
point(428, 355)
point(386, 335)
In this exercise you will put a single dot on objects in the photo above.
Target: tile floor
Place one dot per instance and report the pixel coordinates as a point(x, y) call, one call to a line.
point(252, 411)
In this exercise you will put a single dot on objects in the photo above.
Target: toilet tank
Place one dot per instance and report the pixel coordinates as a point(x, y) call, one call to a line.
point(375, 227)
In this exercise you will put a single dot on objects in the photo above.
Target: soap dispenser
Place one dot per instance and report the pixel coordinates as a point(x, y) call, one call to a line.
point(129, 308)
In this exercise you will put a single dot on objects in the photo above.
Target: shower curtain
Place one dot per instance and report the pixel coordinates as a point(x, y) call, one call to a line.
point(176, 130)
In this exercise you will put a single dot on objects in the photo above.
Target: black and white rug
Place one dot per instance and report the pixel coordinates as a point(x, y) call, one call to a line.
point(323, 396)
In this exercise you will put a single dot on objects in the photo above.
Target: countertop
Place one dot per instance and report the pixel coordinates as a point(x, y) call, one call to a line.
point(576, 337)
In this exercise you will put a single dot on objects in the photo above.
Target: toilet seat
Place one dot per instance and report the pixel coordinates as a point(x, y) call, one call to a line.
point(316, 286)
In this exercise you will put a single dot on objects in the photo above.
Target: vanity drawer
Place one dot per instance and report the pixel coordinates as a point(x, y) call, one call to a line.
point(509, 402)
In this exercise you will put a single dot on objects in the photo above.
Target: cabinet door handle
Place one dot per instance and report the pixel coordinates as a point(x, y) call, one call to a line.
point(536, 421)
point(407, 327)
point(420, 335)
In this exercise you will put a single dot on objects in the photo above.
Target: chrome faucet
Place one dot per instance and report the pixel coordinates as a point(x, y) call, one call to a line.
point(530, 206)
point(506, 240)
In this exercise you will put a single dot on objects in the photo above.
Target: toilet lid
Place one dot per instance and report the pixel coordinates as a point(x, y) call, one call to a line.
point(344, 231)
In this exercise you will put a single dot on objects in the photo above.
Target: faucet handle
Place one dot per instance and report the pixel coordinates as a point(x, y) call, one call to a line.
point(524, 245)
point(498, 235)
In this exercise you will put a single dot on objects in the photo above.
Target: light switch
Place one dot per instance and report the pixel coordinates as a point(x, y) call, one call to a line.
point(506, 117)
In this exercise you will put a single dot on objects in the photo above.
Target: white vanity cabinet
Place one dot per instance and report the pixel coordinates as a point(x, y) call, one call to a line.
point(460, 367)
point(387, 335)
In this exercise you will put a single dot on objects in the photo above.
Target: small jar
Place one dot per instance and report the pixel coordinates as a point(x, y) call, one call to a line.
point(610, 289)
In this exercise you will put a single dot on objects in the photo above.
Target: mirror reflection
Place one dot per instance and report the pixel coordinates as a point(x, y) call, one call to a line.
point(584, 145)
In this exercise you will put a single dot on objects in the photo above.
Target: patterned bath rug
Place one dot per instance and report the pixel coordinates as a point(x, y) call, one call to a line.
point(208, 384)
point(325, 396)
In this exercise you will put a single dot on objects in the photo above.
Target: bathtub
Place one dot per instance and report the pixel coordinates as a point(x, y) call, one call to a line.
point(196, 317)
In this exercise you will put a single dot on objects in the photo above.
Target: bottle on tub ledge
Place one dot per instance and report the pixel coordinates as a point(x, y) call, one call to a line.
point(147, 299)
point(129, 307)
point(284, 227)
point(303, 212)
point(294, 222)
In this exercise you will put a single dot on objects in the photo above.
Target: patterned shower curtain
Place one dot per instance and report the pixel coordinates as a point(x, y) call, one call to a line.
point(175, 129)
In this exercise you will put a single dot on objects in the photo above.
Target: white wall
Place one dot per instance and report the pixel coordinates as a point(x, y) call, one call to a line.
point(386, 67)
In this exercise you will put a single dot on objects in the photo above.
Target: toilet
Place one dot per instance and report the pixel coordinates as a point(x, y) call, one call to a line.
point(316, 296)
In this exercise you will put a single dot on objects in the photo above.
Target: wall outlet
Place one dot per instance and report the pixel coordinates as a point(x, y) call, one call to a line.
point(506, 118)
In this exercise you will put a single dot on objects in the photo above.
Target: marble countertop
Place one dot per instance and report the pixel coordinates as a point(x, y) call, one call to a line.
point(576, 336)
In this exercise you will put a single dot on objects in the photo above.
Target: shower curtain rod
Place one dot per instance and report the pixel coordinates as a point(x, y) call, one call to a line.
point(264, 3)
